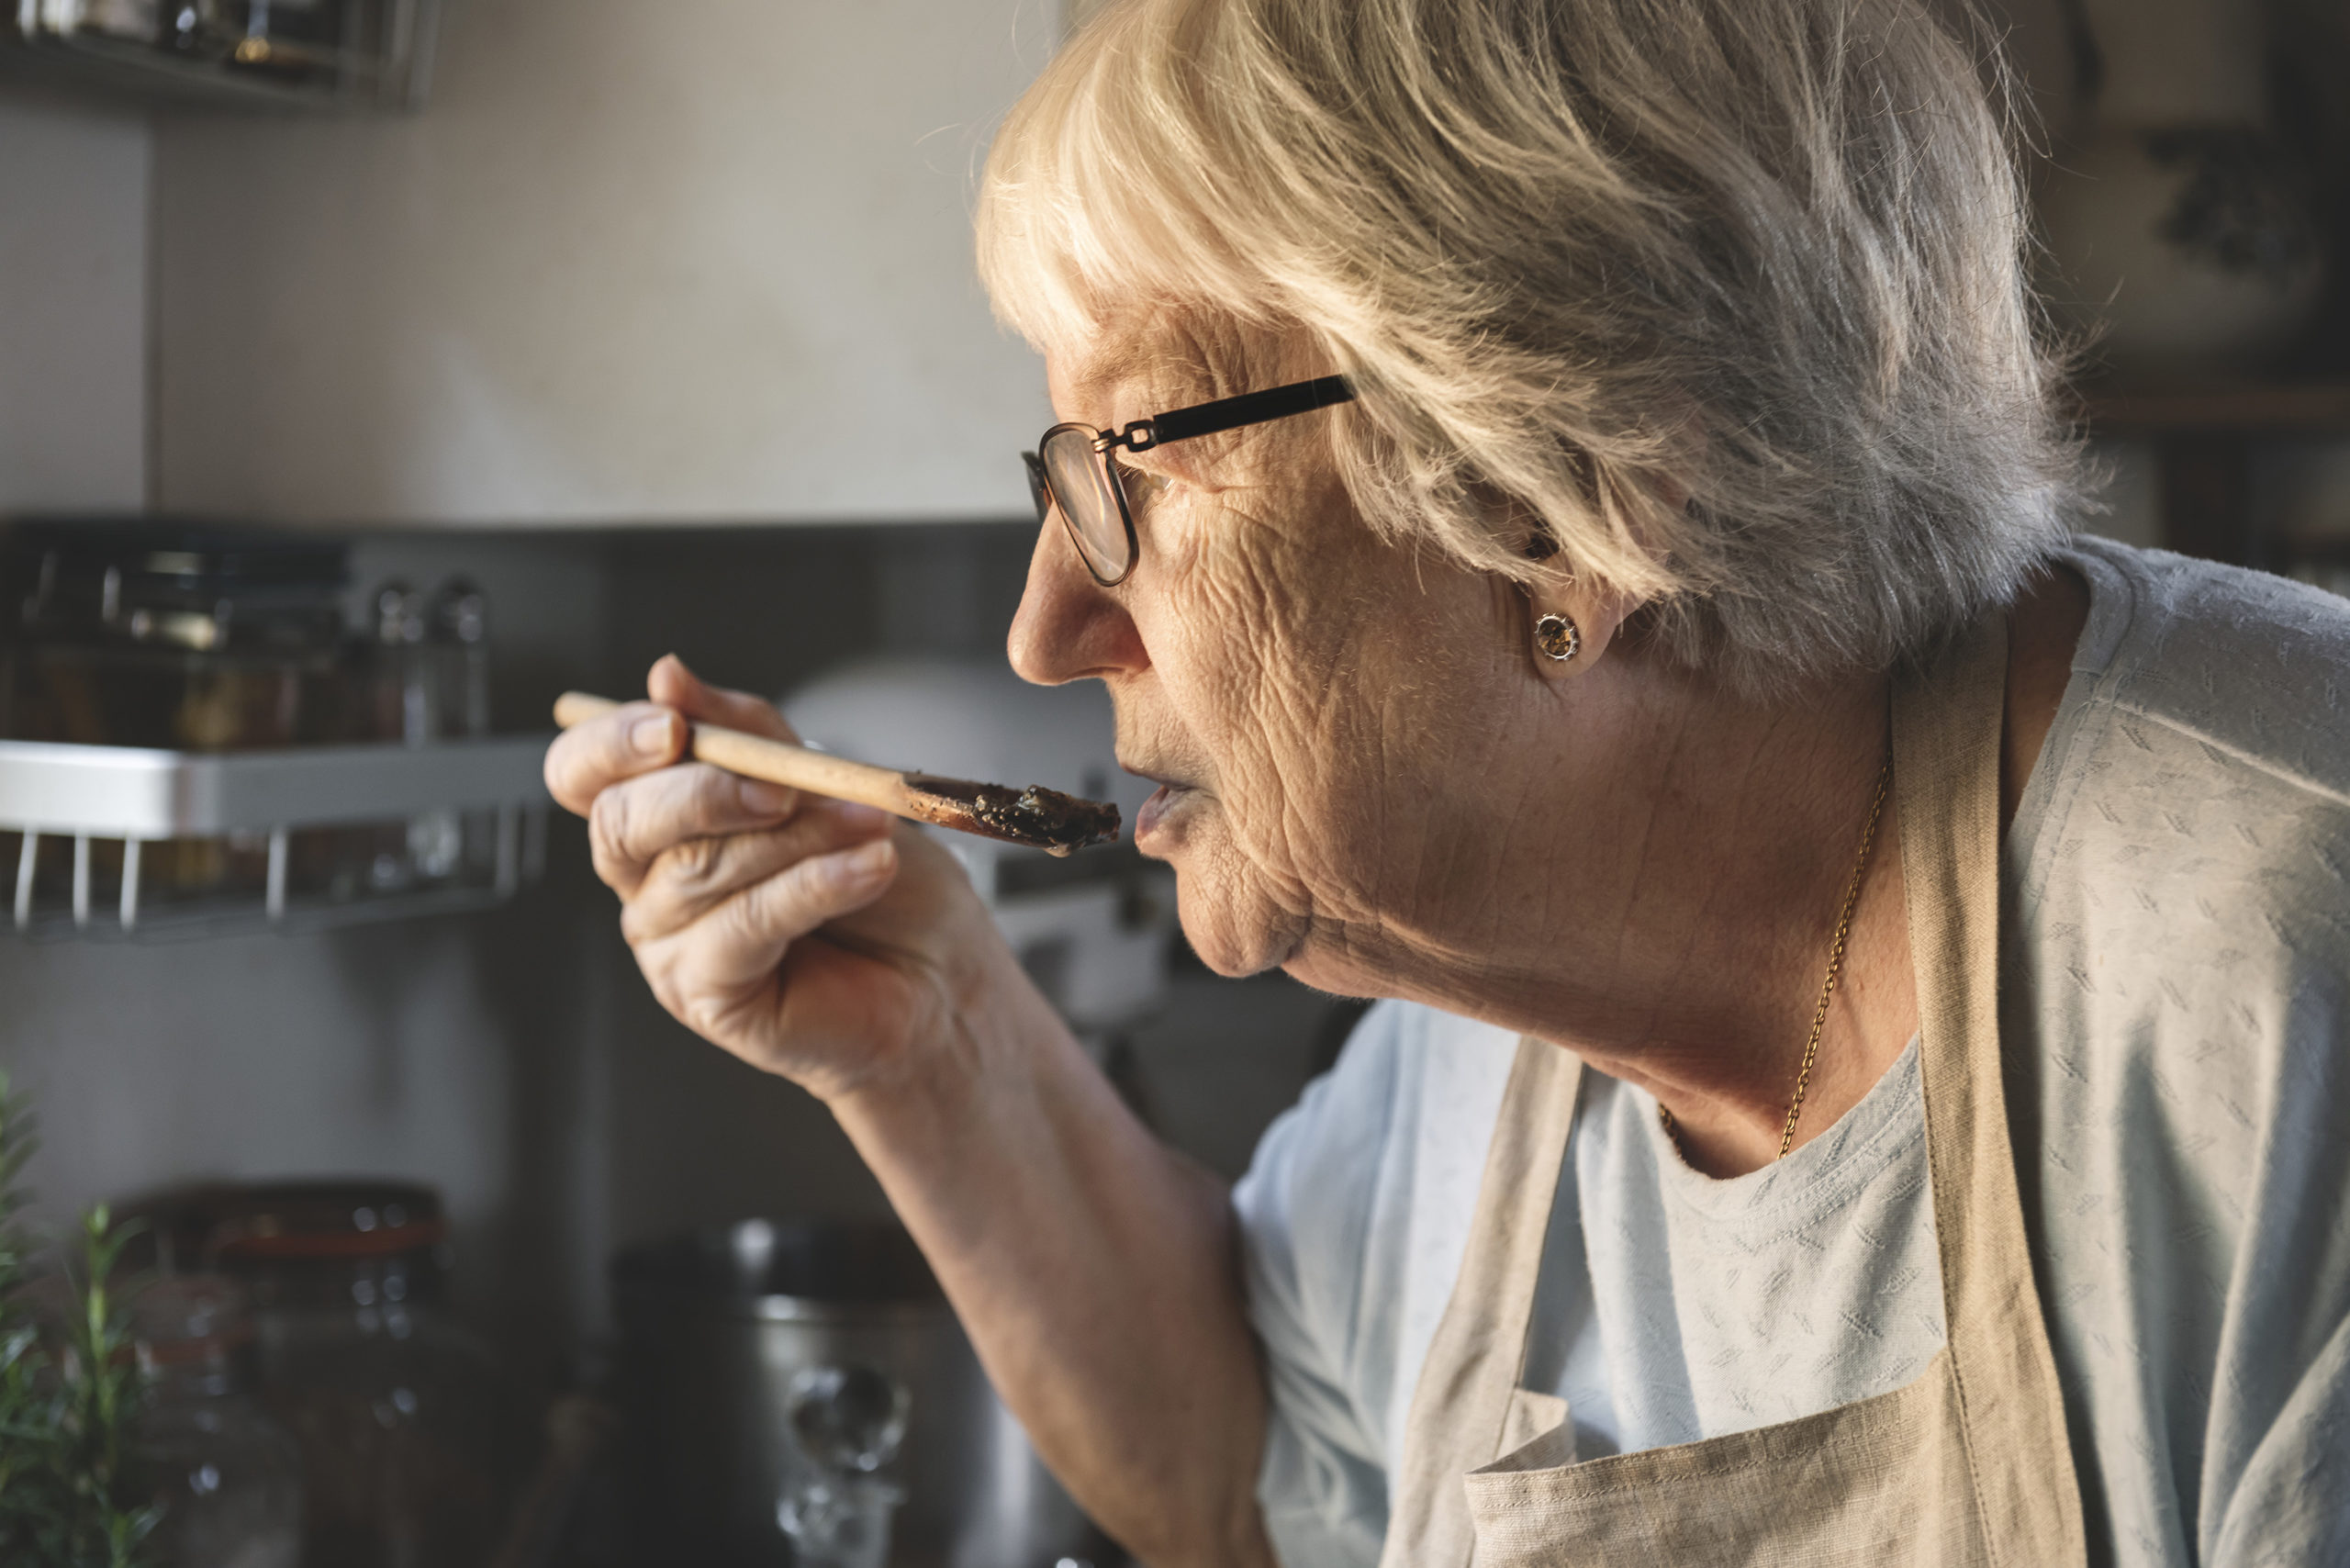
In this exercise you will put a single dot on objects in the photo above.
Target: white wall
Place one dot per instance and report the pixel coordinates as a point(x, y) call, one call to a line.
point(698, 258)
point(73, 192)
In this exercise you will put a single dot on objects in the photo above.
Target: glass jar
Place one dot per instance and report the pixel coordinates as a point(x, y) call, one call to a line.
point(210, 639)
point(195, 639)
point(401, 1414)
point(182, 638)
point(428, 680)
point(449, 844)
point(301, 42)
point(460, 631)
point(227, 1478)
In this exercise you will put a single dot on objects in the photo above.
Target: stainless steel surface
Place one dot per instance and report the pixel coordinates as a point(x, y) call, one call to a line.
point(716, 1325)
point(134, 794)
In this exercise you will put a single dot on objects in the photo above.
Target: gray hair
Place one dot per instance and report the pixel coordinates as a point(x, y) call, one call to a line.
point(1583, 257)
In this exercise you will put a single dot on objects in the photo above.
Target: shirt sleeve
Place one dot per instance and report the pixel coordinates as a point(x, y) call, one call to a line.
point(2291, 1507)
point(1304, 1211)
point(2277, 1466)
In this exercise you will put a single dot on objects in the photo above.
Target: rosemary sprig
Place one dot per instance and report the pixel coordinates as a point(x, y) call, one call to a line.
point(66, 1498)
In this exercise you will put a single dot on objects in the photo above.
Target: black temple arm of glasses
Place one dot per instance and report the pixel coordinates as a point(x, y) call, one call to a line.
point(1231, 413)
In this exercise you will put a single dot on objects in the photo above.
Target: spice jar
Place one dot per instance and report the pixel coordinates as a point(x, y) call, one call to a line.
point(227, 1479)
point(428, 680)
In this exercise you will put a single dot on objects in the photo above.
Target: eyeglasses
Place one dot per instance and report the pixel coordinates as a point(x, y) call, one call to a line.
point(1076, 468)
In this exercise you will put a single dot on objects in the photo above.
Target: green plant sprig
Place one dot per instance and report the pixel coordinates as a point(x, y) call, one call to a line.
point(66, 1500)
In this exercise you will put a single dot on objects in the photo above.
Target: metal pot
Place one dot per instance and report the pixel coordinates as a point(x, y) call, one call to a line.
point(725, 1332)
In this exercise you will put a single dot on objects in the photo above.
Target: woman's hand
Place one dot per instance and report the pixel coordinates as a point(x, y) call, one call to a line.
point(1096, 1271)
point(803, 935)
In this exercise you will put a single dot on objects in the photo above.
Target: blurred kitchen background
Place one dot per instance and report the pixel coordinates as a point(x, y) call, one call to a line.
point(548, 336)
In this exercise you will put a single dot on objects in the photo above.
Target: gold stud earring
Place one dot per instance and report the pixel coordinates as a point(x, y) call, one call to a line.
point(1558, 637)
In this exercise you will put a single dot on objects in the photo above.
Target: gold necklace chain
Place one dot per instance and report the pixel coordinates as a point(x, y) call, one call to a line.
point(1835, 968)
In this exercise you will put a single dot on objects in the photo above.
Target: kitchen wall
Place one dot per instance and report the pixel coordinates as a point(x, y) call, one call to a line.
point(74, 183)
point(634, 261)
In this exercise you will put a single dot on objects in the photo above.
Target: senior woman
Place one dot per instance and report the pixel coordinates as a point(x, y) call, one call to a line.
point(1565, 497)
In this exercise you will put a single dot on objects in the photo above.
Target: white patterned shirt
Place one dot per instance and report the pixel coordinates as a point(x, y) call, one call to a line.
point(2176, 1002)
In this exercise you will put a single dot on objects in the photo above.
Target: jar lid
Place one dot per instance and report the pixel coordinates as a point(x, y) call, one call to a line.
point(188, 1319)
point(242, 1226)
point(263, 1241)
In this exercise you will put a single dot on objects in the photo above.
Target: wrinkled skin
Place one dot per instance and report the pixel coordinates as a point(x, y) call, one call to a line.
point(1279, 699)
point(815, 939)
point(1318, 698)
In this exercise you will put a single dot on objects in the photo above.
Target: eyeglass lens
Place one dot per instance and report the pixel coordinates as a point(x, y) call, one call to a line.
point(1081, 482)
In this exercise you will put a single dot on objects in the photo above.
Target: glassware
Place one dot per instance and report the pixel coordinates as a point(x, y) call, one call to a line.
point(403, 705)
point(447, 844)
point(207, 639)
point(430, 681)
point(193, 639)
point(138, 21)
point(460, 633)
point(184, 638)
point(227, 1478)
point(299, 41)
point(400, 1413)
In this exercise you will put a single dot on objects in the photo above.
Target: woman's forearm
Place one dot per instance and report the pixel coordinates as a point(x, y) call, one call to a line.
point(1095, 1271)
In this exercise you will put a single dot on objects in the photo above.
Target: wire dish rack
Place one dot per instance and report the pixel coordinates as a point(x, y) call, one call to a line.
point(125, 841)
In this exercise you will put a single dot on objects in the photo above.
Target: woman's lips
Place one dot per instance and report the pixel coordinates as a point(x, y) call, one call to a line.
point(1163, 799)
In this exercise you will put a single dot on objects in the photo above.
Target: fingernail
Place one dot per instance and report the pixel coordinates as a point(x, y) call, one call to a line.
point(761, 799)
point(651, 736)
point(860, 817)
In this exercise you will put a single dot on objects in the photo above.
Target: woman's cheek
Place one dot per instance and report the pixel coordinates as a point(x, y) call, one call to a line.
point(1231, 911)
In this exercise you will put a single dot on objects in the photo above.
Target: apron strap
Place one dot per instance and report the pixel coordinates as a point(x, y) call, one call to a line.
point(1947, 730)
point(1461, 1406)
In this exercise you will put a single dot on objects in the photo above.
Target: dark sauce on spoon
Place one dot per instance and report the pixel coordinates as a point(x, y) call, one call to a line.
point(1037, 817)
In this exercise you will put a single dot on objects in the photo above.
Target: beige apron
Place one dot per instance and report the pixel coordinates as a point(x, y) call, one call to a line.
point(1967, 1465)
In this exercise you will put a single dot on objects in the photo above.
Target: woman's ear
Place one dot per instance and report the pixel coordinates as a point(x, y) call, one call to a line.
point(1570, 622)
point(1573, 619)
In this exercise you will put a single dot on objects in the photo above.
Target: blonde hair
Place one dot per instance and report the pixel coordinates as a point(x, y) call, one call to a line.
point(1584, 256)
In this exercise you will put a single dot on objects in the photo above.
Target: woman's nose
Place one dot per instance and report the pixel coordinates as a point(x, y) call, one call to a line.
point(1070, 627)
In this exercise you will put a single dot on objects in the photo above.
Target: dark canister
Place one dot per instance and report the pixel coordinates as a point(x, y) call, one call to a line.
point(806, 1381)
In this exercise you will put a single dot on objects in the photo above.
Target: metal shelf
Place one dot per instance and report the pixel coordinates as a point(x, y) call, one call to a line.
point(137, 796)
point(388, 68)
